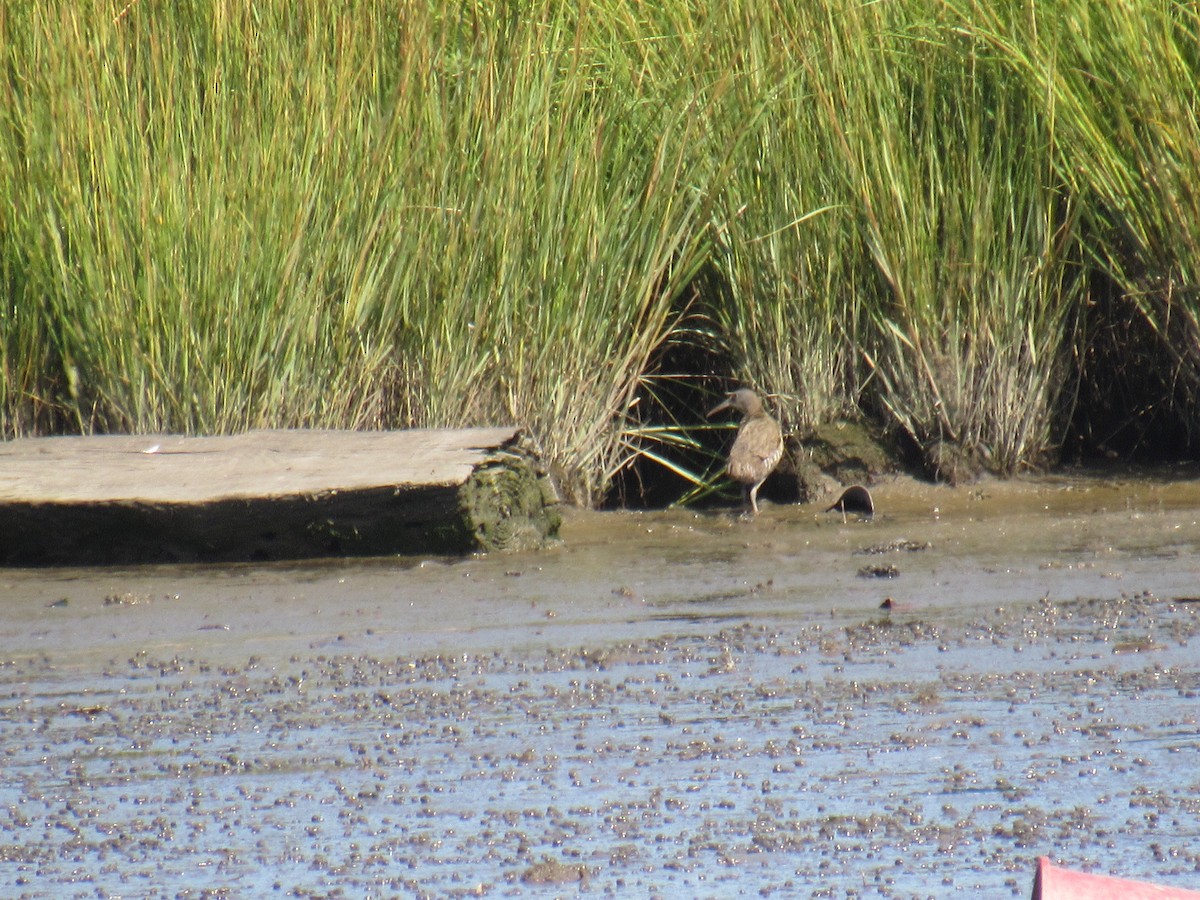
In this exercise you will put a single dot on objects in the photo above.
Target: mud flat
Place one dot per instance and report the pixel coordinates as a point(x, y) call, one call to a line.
point(668, 705)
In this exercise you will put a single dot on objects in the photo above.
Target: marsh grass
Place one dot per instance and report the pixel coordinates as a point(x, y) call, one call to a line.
point(570, 215)
point(1119, 83)
point(788, 237)
point(222, 216)
point(243, 217)
point(973, 242)
point(186, 259)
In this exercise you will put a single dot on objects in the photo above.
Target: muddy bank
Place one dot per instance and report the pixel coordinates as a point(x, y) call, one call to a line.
point(668, 705)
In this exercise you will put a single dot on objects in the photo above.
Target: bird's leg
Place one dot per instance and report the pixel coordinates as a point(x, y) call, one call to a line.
point(754, 498)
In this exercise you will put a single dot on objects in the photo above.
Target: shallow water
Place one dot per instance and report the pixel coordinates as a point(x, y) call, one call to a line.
point(670, 704)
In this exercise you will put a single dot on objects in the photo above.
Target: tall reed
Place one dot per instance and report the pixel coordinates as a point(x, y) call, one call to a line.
point(233, 216)
point(543, 252)
point(370, 214)
point(963, 219)
point(788, 240)
point(191, 210)
point(1118, 83)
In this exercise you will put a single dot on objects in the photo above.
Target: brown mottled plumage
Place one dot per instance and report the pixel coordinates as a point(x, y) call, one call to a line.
point(759, 444)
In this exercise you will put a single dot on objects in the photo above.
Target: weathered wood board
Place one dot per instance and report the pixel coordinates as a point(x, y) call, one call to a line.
point(270, 495)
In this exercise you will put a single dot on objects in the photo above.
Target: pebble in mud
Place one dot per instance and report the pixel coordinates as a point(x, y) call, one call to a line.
point(884, 757)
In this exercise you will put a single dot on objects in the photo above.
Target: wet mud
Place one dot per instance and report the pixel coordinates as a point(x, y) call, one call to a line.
point(670, 704)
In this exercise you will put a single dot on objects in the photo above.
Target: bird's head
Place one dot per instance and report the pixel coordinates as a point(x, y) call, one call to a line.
point(743, 400)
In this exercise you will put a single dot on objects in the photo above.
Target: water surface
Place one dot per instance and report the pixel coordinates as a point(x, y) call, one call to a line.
point(669, 704)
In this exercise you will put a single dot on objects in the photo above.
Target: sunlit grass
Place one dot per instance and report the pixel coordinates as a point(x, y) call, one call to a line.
point(259, 216)
point(1119, 83)
point(221, 216)
point(968, 231)
point(788, 234)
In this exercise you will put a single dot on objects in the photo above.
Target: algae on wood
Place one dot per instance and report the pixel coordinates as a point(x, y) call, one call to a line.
point(271, 495)
point(509, 503)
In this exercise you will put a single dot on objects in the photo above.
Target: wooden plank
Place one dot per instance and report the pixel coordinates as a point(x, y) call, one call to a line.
point(270, 495)
point(176, 469)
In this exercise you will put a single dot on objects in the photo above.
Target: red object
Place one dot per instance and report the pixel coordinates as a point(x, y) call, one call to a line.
point(1054, 883)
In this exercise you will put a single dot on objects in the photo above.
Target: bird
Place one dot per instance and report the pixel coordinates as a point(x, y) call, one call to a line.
point(759, 444)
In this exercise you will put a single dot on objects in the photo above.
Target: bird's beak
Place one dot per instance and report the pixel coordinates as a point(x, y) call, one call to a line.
point(724, 404)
